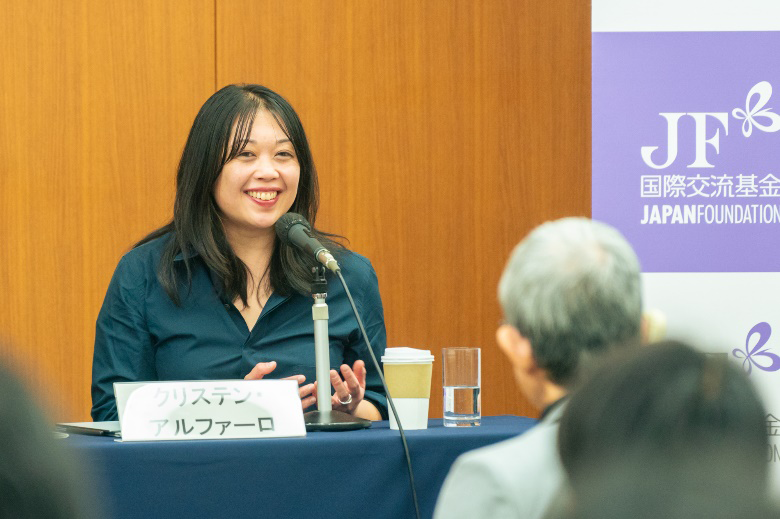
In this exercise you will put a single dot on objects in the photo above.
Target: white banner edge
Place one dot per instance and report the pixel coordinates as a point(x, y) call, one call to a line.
point(684, 15)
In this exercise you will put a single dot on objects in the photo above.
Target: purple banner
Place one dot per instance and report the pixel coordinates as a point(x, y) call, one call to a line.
point(686, 147)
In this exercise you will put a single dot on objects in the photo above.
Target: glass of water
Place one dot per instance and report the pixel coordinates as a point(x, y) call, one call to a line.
point(461, 378)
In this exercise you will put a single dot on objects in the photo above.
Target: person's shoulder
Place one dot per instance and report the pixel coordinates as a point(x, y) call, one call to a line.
point(524, 454)
point(542, 433)
point(147, 252)
point(144, 257)
point(349, 259)
point(525, 470)
point(355, 267)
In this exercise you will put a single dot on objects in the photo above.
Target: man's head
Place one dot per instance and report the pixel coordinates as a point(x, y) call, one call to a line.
point(570, 291)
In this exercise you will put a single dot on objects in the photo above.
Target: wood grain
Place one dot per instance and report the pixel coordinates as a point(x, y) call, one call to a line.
point(96, 101)
point(443, 132)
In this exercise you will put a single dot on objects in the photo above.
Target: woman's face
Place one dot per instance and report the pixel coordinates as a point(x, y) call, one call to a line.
point(259, 185)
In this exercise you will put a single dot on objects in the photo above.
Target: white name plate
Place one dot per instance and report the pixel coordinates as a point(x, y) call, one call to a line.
point(209, 409)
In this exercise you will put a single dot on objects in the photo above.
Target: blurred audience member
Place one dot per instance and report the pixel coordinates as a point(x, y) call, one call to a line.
point(38, 480)
point(570, 293)
point(667, 432)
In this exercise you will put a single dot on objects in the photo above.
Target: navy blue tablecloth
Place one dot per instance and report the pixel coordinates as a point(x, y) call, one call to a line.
point(357, 474)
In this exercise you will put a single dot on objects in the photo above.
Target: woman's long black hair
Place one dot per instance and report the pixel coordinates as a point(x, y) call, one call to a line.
point(196, 228)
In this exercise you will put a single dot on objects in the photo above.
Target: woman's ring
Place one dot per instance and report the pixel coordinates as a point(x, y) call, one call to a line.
point(349, 400)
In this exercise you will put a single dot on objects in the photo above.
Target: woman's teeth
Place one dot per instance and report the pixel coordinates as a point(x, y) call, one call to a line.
point(262, 195)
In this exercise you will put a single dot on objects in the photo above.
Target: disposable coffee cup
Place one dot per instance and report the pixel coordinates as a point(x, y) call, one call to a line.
point(408, 377)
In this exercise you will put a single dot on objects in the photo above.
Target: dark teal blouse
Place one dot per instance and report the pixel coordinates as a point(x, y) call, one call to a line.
point(141, 335)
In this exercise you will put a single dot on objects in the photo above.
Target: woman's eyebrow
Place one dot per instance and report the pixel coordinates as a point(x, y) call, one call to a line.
point(280, 141)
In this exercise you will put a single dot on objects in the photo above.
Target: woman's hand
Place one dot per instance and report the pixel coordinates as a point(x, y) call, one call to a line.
point(306, 392)
point(349, 393)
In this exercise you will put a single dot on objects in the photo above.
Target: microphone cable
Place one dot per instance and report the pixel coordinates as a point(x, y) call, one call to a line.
point(389, 398)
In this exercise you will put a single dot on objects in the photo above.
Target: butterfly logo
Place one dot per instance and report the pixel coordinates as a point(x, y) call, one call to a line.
point(751, 356)
point(751, 115)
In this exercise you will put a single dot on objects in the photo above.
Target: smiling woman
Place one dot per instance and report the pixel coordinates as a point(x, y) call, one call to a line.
point(258, 185)
point(214, 294)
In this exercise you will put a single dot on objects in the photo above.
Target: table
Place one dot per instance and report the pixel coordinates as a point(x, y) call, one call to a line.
point(360, 474)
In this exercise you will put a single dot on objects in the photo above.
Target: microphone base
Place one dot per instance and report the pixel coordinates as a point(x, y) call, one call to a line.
point(333, 421)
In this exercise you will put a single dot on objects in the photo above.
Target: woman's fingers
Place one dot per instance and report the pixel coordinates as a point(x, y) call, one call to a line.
point(306, 390)
point(260, 370)
point(348, 392)
point(353, 380)
point(360, 372)
point(342, 392)
point(308, 395)
point(300, 379)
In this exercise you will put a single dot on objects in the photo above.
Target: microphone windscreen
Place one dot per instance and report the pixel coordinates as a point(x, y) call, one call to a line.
point(283, 225)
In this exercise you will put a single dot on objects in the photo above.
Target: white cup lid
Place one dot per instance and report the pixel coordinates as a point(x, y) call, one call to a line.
point(406, 356)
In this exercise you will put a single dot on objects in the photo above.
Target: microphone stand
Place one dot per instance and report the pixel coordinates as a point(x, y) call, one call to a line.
point(325, 418)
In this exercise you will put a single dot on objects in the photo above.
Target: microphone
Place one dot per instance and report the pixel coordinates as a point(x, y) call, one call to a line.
point(293, 229)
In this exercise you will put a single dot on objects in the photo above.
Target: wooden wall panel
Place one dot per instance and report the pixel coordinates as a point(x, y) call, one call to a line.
point(96, 100)
point(443, 132)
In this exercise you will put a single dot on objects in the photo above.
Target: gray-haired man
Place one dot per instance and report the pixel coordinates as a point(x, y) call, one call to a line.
point(570, 292)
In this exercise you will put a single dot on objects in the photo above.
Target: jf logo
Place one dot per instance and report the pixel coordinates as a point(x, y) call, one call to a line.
point(754, 115)
point(758, 355)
